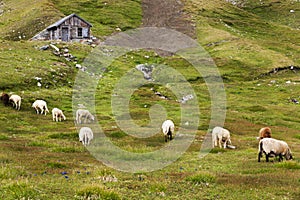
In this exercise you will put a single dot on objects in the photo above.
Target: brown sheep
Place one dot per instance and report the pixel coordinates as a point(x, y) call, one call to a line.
point(264, 133)
point(5, 99)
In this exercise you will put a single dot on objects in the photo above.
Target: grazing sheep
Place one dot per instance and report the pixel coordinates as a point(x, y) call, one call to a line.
point(40, 105)
point(264, 133)
point(271, 146)
point(57, 115)
point(168, 129)
point(16, 101)
point(219, 135)
point(85, 114)
point(5, 99)
point(85, 135)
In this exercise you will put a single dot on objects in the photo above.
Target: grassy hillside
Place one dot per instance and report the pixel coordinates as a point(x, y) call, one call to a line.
point(42, 159)
point(21, 20)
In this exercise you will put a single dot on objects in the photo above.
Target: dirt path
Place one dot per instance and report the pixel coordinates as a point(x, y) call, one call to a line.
point(167, 13)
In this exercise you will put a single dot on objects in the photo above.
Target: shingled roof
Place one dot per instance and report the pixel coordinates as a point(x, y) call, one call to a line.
point(58, 23)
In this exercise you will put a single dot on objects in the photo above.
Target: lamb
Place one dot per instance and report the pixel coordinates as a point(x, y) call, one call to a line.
point(5, 98)
point(85, 135)
point(264, 133)
point(271, 146)
point(85, 114)
point(16, 101)
point(40, 105)
point(57, 115)
point(219, 135)
point(168, 129)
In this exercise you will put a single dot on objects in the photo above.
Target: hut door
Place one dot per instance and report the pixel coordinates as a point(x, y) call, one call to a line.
point(65, 34)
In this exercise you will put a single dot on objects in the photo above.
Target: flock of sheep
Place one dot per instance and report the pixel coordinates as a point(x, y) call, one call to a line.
point(40, 106)
point(267, 145)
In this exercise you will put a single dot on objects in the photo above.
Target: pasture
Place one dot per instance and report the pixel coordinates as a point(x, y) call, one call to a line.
point(42, 159)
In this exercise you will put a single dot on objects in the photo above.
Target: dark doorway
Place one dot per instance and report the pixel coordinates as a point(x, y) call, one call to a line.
point(65, 34)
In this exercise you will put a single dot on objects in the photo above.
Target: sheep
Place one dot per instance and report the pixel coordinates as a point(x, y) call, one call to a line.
point(85, 114)
point(16, 101)
point(57, 115)
point(85, 135)
point(42, 105)
point(264, 133)
point(5, 98)
point(168, 129)
point(271, 146)
point(219, 135)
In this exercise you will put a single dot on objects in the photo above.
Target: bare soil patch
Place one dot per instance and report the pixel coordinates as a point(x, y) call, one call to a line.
point(169, 14)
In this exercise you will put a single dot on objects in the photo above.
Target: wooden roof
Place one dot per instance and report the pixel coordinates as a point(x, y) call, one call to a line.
point(58, 23)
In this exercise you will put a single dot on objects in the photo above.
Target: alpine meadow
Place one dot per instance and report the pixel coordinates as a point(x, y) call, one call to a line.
point(255, 47)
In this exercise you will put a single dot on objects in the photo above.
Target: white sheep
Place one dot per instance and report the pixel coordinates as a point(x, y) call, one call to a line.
point(57, 115)
point(83, 115)
point(219, 135)
point(40, 105)
point(271, 146)
point(168, 129)
point(16, 101)
point(85, 135)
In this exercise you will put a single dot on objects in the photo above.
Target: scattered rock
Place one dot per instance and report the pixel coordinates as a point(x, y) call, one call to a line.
point(146, 69)
point(54, 47)
point(45, 47)
point(186, 98)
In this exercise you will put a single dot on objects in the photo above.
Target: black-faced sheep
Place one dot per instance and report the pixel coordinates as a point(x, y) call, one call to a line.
point(168, 129)
point(57, 115)
point(16, 101)
point(271, 146)
point(85, 135)
point(219, 135)
point(40, 105)
point(83, 116)
point(264, 133)
point(5, 99)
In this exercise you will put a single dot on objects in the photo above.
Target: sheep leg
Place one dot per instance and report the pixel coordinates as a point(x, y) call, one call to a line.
point(225, 143)
point(166, 138)
point(259, 156)
point(267, 157)
point(220, 145)
point(280, 158)
point(170, 134)
point(216, 141)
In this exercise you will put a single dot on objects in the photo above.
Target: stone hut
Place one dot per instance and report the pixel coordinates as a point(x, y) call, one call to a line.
point(69, 28)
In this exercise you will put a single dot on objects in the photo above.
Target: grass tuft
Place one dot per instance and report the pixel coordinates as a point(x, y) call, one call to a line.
point(96, 192)
point(56, 165)
point(288, 165)
point(19, 191)
point(201, 178)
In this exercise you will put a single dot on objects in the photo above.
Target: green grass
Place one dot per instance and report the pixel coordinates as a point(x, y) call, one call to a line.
point(42, 159)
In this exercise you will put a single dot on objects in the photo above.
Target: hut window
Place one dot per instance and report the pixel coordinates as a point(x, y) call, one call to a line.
point(79, 32)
